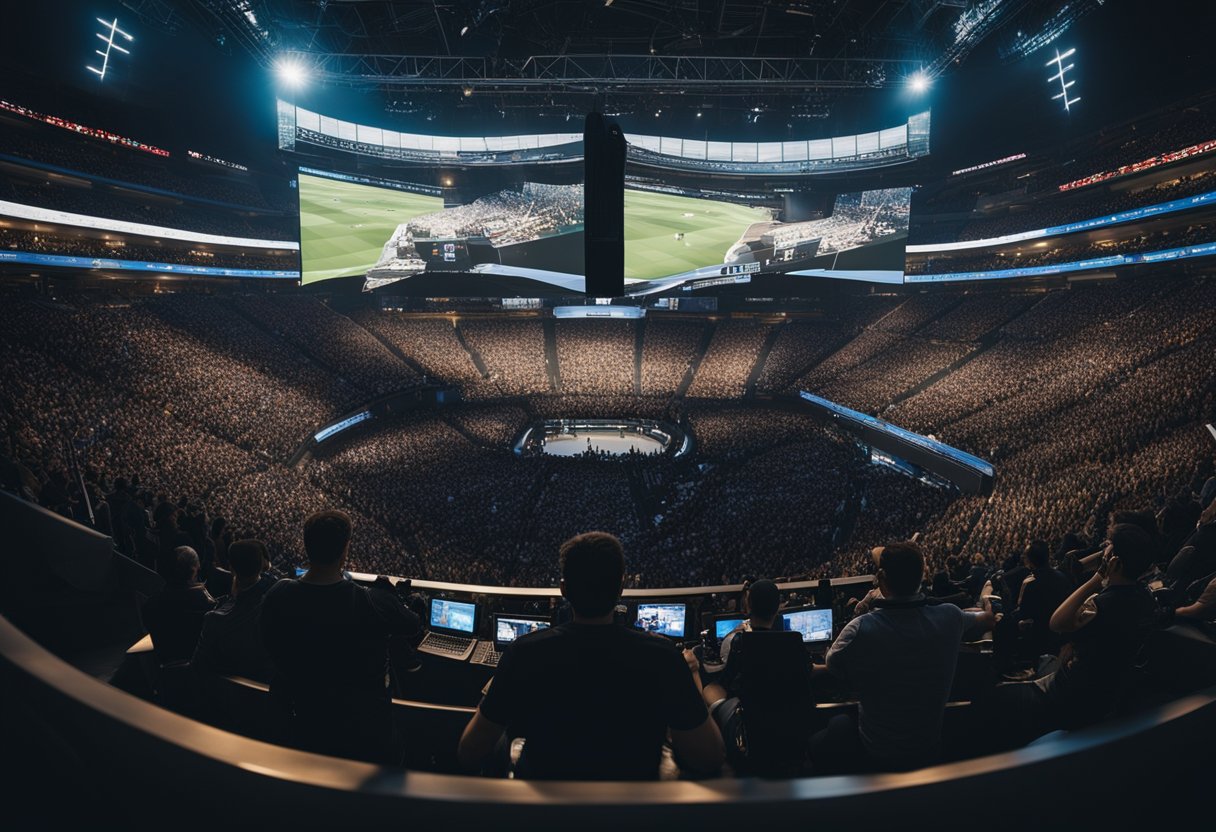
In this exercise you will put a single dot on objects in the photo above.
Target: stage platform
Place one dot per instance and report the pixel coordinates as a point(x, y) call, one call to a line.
point(608, 441)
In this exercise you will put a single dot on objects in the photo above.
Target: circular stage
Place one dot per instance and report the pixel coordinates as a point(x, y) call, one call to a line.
point(600, 441)
point(603, 437)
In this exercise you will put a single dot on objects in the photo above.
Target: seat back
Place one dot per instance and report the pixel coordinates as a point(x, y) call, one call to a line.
point(775, 695)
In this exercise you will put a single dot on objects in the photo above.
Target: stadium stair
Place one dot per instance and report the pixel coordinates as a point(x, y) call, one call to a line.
point(474, 355)
point(551, 363)
point(697, 358)
point(393, 348)
point(301, 348)
point(845, 335)
point(749, 389)
point(639, 334)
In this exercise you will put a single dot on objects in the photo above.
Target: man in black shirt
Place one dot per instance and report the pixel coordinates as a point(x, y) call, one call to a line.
point(1024, 633)
point(1107, 630)
point(328, 640)
point(1106, 618)
point(174, 615)
point(594, 700)
point(231, 643)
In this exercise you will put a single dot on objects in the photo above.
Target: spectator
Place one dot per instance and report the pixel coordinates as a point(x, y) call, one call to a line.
point(899, 658)
point(231, 643)
point(328, 641)
point(174, 615)
point(594, 700)
point(723, 695)
point(1106, 619)
point(1024, 631)
point(1204, 608)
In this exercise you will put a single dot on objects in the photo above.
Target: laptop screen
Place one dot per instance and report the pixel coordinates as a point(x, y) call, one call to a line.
point(456, 616)
point(508, 628)
point(664, 619)
point(723, 626)
point(815, 625)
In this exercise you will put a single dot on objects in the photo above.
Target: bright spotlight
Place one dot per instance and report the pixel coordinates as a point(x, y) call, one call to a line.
point(919, 82)
point(291, 72)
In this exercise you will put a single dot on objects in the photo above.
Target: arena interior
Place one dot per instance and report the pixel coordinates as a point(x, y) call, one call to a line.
point(305, 414)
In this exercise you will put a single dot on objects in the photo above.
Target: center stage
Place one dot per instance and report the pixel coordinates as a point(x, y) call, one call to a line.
point(612, 437)
point(606, 441)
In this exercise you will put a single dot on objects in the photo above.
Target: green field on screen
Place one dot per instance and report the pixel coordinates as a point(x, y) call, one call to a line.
point(652, 221)
point(344, 226)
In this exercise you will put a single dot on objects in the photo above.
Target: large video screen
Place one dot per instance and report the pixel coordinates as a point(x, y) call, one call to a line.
point(390, 230)
point(684, 237)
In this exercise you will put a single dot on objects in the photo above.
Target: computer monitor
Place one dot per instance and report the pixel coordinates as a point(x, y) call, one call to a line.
point(664, 619)
point(723, 624)
point(453, 616)
point(813, 623)
point(507, 628)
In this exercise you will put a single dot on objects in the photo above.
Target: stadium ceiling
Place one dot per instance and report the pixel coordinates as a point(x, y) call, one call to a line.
point(612, 44)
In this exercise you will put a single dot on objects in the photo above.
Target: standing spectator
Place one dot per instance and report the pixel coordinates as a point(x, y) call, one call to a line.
point(328, 640)
point(230, 643)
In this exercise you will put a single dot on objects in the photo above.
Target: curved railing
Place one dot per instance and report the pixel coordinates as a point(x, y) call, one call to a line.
point(139, 751)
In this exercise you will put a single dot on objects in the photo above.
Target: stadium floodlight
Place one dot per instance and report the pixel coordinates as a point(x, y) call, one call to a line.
point(919, 82)
point(1061, 76)
point(107, 36)
point(291, 72)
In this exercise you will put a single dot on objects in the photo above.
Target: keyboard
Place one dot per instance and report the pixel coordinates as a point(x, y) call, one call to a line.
point(449, 647)
point(486, 654)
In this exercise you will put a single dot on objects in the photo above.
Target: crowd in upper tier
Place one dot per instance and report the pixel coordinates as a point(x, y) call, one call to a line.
point(1086, 401)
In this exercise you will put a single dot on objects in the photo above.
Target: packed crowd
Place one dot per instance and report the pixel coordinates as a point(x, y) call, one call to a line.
point(513, 352)
point(1086, 401)
point(667, 352)
point(331, 339)
point(728, 361)
point(433, 344)
point(596, 356)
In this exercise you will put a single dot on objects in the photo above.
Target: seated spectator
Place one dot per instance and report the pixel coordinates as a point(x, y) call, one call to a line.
point(723, 696)
point(1024, 631)
point(174, 615)
point(169, 538)
point(899, 659)
point(1106, 618)
point(1204, 608)
point(1196, 557)
point(593, 699)
point(231, 643)
point(327, 638)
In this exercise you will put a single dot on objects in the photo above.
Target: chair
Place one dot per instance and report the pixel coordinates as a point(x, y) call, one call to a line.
point(775, 701)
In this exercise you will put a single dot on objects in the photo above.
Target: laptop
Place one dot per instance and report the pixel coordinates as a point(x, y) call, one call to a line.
point(662, 619)
point(453, 625)
point(815, 624)
point(507, 628)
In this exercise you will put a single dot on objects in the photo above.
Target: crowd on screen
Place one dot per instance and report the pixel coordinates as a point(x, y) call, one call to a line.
point(857, 219)
point(506, 217)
